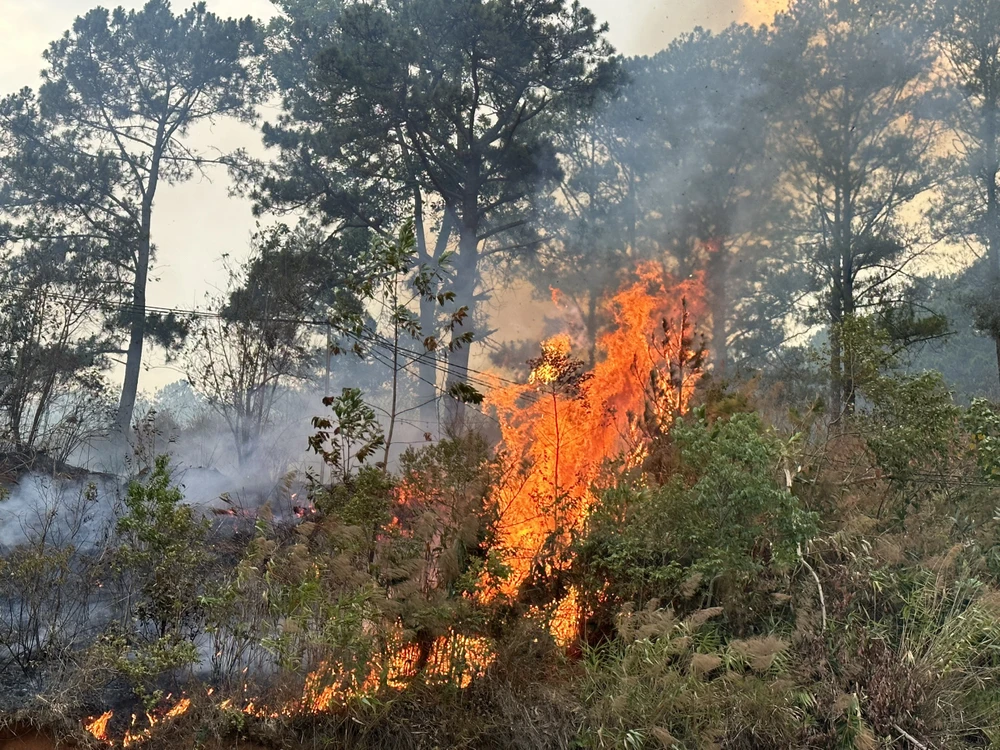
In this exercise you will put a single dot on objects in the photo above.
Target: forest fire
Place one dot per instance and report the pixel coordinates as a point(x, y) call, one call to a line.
point(738, 490)
point(98, 726)
point(453, 659)
point(565, 424)
point(560, 430)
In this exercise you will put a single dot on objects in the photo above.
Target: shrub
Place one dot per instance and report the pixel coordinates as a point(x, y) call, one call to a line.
point(160, 557)
point(722, 518)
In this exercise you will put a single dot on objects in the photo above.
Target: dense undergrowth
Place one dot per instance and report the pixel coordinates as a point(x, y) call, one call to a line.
point(761, 577)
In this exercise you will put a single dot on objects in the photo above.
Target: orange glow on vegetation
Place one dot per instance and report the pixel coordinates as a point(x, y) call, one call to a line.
point(564, 621)
point(452, 659)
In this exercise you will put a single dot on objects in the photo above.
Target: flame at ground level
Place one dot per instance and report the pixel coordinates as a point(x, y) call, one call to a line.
point(98, 726)
point(452, 659)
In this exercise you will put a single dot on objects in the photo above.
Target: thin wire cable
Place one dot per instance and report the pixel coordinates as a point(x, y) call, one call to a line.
point(204, 314)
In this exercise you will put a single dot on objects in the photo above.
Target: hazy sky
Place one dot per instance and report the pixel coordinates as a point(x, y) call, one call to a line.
point(196, 223)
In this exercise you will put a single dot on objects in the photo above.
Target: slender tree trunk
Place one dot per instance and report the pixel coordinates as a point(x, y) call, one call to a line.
point(427, 370)
point(718, 272)
point(842, 299)
point(395, 391)
point(427, 365)
point(991, 169)
point(137, 334)
point(42, 408)
point(847, 300)
point(836, 365)
point(466, 280)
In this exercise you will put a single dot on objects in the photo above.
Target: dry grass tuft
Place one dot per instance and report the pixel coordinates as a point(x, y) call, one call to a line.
point(696, 620)
point(760, 653)
point(667, 740)
point(703, 664)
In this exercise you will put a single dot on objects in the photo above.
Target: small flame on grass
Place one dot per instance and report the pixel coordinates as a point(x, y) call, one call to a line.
point(98, 726)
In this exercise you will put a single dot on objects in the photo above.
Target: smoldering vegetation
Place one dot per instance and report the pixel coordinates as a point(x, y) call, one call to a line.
point(560, 399)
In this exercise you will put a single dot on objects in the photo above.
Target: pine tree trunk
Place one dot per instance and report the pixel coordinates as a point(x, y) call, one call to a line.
point(718, 271)
point(137, 333)
point(836, 318)
point(848, 303)
point(427, 365)
point(466, 278)
point(992, 168)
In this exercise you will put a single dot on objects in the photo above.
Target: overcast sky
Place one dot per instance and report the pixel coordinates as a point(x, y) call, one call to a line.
point(196, 223)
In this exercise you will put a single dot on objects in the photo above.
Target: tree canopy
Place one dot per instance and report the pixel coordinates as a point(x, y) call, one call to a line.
point(121, 93)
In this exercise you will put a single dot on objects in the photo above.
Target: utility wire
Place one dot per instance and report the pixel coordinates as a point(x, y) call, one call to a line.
point(371, 336)
point(367, 338)
point(388, 363)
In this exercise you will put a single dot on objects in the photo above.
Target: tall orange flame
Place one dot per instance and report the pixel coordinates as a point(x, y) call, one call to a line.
point(558, 436)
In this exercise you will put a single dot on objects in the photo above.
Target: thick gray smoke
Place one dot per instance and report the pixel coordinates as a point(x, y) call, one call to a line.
point(58, 511)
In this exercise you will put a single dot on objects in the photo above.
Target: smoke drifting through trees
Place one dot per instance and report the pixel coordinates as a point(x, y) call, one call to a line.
point(746, 221)
point(120, 93)
point(782, 162)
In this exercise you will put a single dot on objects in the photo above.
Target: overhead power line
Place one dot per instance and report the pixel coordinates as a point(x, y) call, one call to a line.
point(371, 338)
